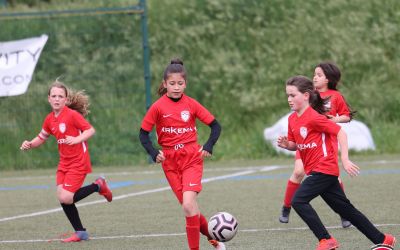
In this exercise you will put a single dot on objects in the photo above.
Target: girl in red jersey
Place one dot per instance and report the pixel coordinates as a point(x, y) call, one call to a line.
point(67, 124)
point(326, 77)
point(316, 137)
point(174, 114)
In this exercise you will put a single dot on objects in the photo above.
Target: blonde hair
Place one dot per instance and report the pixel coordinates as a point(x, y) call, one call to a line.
point(76, 100)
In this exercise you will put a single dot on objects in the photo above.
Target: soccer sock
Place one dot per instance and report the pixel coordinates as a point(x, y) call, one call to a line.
point(204, 226)
point(85, 191)
point(193, 232)
point(291, 189)
point(73, 216)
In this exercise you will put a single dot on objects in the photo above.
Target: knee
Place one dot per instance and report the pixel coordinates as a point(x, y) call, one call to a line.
point(188, 207)
point(298, 175)
point(65, 198)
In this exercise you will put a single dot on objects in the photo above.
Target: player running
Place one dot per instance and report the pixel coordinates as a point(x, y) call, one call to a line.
point(326, 78)
point(316, 138)
point(67, 124)
point(174, 114)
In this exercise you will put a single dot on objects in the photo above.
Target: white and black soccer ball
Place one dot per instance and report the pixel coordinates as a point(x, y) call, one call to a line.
point(222, 226)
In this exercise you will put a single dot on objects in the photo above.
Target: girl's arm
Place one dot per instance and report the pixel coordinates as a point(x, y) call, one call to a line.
point(34, 143)
point(71, 140)
point(156, 155)
point(284, 143)
point(339, 119)
point(351, 168)
point(214, 135)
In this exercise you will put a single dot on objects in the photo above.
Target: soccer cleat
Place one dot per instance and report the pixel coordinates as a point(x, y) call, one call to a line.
point(345, 223)
point(77, 236)
point(104, 189)
point(387, 244)
point(217, 245)
point(284, 218)
point(328, 244)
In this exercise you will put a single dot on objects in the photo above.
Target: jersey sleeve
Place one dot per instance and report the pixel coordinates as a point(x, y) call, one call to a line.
point(80, 122)
point(290, 133)
point(324, 125)
point(45, 132)
point(150, 118)
point(341, 106)
point(203, 114)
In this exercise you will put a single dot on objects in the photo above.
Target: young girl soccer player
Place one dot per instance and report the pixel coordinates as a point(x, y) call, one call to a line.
point(174, 115)
point(67, 124)
point(316, 137)
point(326, 77)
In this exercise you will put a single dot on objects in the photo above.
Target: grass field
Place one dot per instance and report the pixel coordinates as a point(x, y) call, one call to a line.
point(145, 215)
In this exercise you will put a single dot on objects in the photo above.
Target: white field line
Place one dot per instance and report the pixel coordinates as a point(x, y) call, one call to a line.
point(184, 234)
point(247, 172)
point(219, 169)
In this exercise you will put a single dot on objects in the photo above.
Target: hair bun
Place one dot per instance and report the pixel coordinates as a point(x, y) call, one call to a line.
point(177, 61)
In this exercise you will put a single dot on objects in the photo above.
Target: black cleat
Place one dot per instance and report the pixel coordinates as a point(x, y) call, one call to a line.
point(284, 218)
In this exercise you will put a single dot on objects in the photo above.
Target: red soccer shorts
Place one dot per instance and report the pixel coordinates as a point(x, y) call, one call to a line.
point(70, 181)
point(183, 168)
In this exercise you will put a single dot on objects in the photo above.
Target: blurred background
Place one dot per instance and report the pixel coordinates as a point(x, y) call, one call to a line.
point(238, 55)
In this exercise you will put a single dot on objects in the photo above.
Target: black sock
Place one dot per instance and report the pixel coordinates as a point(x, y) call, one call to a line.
point(73, 216)
point(85, 191)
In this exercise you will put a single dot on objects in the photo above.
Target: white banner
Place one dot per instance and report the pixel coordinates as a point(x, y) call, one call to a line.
point(17, 62)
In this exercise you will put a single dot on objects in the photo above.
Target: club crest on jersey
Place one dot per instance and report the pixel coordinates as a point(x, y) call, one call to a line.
point(303, 132)
point(185, 115)
point(62, 127)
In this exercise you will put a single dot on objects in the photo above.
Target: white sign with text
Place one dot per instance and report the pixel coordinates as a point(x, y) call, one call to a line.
point(17, 63)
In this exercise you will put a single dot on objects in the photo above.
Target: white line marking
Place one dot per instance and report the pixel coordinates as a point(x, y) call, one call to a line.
point(183, 234)
point(247, 172)
point(219, 169)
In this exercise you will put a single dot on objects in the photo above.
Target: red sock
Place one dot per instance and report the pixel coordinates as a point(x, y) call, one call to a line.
point(291, 188)
point(193, 232)
point(204, 226)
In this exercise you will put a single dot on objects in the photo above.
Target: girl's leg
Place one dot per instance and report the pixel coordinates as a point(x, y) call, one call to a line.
point(312, 186)
point(67, 185)
point(294, 182)
point(338, 201)
point(66, 199)
point(191, 210)
point(345, 222)
point(292, 185)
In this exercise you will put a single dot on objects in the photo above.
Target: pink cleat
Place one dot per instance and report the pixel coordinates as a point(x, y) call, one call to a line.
point(328, 244)
point(387, 244)
point(104, 189)
point(77, 236)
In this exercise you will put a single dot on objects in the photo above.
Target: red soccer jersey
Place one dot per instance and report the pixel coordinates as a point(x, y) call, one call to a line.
point(337, 104)
point(73, 158)
point(314, 135)
point(175, 121)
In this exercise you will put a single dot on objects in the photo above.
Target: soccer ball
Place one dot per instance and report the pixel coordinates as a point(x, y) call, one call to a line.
point(222, 226)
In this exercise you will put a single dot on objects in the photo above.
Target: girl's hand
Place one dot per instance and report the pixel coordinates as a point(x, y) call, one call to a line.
point(204, 153)
point(160, 157)
point(332, 118)
point(282, 142)
point(26, 145)
point(351, 168)
point(71, 140)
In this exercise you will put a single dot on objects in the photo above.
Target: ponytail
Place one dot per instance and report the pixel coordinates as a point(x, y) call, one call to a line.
point(318, 103)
